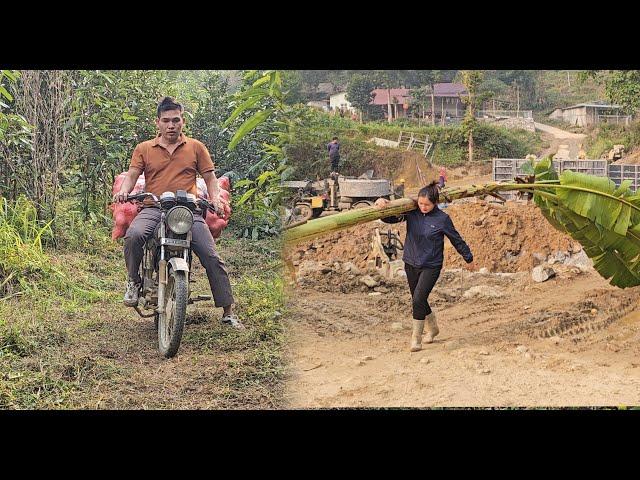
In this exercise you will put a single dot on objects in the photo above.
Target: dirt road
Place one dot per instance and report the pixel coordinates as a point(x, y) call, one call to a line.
point(564, 144)
point(571, 341)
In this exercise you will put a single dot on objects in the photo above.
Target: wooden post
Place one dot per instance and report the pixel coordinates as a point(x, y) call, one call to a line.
point(433, 107)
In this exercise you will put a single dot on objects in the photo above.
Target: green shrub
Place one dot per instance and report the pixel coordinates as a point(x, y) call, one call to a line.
point(74, 231)
point(24, 266)
point(603, 137)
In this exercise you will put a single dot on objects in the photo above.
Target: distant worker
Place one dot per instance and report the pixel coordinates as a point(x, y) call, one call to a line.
point(333, 147)
point(582, 155)
point(424, 256)
point(442, 178)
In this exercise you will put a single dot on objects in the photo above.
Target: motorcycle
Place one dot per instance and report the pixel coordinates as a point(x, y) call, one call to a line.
point(165, 269)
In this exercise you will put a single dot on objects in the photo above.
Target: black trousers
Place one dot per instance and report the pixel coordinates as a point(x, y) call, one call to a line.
point(334, 163)
point(202, 244)
point(421, 282)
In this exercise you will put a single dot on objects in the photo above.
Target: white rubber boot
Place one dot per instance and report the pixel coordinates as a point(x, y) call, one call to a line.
point(432, 327)
point(416, 337)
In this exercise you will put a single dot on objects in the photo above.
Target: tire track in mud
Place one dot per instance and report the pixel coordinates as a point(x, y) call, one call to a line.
point(589, 320)
point(578, 321)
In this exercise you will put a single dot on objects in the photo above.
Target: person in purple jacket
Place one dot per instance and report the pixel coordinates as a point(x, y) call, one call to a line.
point(333, 148)
point(424, 255)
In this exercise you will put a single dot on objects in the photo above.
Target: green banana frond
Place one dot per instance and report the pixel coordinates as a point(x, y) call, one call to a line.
point(604, 219)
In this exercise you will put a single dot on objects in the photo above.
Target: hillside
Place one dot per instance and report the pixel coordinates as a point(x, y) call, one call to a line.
point(307, 151)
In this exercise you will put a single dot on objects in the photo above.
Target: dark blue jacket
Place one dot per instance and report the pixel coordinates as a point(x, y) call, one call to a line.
point(334, 149)
point(424, 245)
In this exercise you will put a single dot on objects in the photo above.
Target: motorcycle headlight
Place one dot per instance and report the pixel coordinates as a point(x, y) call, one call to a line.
point(179, 220)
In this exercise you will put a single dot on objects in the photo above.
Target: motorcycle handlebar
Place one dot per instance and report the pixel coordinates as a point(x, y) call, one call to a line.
point(142, 196)
point(204, 203)
point(201, 202)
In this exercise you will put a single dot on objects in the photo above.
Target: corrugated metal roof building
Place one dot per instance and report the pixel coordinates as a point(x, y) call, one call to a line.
point(584, 114)
point(449, 90)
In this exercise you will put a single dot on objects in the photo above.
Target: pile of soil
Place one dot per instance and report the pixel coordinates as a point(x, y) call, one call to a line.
point(509, 237)
point(344, 277)
point(409, 171)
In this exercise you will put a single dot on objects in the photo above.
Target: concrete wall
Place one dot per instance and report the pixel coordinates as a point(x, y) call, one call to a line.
point(583, 116)
point(577, 116)
point(557, 114)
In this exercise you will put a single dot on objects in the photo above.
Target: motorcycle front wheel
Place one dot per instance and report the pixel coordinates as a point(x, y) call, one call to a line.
point(171, 322)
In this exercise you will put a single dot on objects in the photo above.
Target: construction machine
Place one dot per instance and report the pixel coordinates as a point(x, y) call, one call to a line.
point(335, 194)
point(384, 253)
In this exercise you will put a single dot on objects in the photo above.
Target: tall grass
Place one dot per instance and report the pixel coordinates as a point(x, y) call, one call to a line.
point(24, 265)
point(22, 260)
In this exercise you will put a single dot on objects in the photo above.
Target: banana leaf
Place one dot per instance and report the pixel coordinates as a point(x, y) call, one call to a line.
point(604, 219)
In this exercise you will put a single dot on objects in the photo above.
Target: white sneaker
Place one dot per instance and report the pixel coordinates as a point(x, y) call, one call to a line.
point(233, 321)
point(131, 295)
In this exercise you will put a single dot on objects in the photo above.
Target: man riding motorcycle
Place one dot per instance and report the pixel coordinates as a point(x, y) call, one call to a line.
point(170, 163)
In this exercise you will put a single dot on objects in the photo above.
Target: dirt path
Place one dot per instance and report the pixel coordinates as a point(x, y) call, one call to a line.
point(569, 341)
point(62, 353)
point(564, 144)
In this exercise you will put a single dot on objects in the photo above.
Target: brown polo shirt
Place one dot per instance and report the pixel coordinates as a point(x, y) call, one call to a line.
point(166, 172)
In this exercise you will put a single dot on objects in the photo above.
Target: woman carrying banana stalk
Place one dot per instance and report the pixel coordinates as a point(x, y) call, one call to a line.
point(424, 255)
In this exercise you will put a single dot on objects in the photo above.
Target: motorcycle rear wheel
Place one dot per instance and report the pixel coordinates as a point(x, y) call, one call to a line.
point(171, 322)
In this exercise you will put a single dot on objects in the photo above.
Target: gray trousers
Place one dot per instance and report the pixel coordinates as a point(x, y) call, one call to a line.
point(202, 244)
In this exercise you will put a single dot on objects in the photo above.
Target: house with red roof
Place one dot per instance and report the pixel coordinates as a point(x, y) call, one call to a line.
point(400, 100)
point(447, 100)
